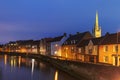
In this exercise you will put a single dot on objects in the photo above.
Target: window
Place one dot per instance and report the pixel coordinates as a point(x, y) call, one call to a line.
point(64, 49)
point(72, 49)
point(105, 58)
point(90, 51)
point(56, 45)
point(79, 50)
point(115, 48)
point(74, 41)
point(105, 48)
point(95, 49)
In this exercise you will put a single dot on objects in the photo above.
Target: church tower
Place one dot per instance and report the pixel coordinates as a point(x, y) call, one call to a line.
point(97, 30)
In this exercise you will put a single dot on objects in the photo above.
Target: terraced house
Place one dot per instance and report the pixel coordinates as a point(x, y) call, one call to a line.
point(69, 47)
point(88, 49)
point(56, 44)
point(109, 49)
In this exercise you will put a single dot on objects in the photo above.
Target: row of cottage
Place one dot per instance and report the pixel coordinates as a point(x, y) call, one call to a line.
point(80, 46)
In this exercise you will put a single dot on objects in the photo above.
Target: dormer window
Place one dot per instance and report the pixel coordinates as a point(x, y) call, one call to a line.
point(74, 41)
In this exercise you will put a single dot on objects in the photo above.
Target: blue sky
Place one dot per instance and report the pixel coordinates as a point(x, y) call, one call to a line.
point(35, 19)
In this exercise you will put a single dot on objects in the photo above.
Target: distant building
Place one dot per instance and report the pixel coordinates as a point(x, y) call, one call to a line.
point(56, 44)
point(97, 30)
point(69, 47)
point(22, 46)
point(45, 48)
point(35, 47)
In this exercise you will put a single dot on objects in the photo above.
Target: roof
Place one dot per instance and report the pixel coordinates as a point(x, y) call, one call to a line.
point(75, 39)
point(57, 39)
point(96, 41)
point(111, 39)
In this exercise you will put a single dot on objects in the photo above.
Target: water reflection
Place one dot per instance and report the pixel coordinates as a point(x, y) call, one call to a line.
point(19, 61)
point(24, 68)
point(13, 61)
point(5, 60)
point(56, 75)
point(33, 63)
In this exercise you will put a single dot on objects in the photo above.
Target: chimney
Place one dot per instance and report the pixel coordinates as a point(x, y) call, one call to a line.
point(65, 34)
point(70, 35)
point(78, 32)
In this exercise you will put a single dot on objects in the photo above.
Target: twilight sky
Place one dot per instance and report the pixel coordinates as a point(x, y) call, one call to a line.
point(35, 19)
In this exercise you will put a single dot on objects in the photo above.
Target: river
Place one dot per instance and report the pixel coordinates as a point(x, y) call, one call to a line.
point(23, 68)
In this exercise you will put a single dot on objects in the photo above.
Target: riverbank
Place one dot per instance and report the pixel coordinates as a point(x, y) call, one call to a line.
point(79, 70)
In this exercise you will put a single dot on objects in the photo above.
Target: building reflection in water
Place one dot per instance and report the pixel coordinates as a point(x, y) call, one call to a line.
point(13, 61)
point(19, 61)
point(5, 59)
point(56, 75)
point(33, 63)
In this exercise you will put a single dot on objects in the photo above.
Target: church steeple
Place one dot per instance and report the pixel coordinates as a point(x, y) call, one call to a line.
point(97, 29)
point(96, 21)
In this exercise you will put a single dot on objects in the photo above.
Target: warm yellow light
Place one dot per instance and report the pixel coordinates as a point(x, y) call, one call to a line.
point(23, 50)
point(19, 60)
point(56, 75)
point(5, 59)
point(66, 55)
point(56, 45)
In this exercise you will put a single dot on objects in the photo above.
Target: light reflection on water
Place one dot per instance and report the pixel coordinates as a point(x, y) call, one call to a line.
point(56, 75)
point(19, 68)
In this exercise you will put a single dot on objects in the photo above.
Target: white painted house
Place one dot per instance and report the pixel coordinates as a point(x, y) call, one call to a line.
point(56, 45)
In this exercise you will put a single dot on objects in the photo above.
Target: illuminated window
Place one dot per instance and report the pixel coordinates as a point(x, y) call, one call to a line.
point(95, 48)
point(55, 52)
point(72, 49)
point(115, 48)
point(56, 45)
point(64, 49)
point(105, 58)
point(90, 51)
point(105, 48)
point(79, 50)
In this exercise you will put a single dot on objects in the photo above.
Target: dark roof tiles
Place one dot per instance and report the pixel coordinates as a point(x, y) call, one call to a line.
point(75, 39)
point(112, 39)
point(57, 39)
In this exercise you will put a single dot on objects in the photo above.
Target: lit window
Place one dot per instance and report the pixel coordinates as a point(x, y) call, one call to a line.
point(95, 48)
point(72, 49)
point(56, 45)
point(79, 50)
point(105, 58)
point(115, 48)
point(55, 52)
point(90, 51)
point(105, 48)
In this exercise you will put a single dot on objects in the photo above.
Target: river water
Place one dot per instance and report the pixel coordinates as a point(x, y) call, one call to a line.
point(23, 68)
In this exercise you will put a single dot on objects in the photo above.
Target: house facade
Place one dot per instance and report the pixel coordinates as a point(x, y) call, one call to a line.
point(45, 46)
point(69, 47)
point(88, 49)
point(109, 50)
point(22, 46)
point(56, 44)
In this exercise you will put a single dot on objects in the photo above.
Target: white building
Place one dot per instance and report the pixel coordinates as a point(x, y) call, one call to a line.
point(56, 45)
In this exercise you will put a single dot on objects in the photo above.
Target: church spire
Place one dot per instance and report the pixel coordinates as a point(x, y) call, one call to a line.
point(97, 29)
point(96, 21)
